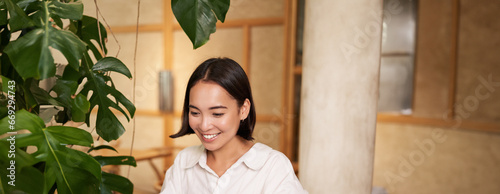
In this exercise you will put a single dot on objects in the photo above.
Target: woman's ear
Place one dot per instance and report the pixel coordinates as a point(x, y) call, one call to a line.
point(245, 109)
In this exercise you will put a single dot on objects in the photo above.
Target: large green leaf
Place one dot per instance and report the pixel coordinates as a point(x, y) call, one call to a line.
point(27, 178)
point(64, 90)
point(198, 17)
point(89, 32)
point(41, 96)
point(4, 96)
point(28, 5)
point(79, 105)
point(220, 8)
point(4, 39)
point(5, 84)
point(71, 10)
point(31, 55)
point(18, 19)
point(107, 124)
point(112, 182)
point(73, 171)
point(3, 16)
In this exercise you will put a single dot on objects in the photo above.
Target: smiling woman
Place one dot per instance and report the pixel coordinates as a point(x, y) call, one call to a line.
point(219, 109)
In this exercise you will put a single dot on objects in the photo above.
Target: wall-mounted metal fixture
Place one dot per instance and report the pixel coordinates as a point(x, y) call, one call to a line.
point(166, 91)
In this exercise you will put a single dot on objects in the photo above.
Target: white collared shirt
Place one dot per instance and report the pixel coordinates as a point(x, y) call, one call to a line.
point(260, 170)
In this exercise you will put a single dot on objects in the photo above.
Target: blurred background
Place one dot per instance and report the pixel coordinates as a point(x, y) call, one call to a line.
point(438, 121)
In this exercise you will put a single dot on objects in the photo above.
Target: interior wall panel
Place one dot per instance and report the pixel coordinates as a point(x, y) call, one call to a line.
point(266, 67)
point(148, 64)
point(268, 133)
point(432, 58)
point(478, 83)
point(244, 9)
point(419, 159)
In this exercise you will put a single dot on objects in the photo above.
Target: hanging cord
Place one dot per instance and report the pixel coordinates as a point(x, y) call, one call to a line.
point(99, 30)
point(135, 78)
point(110, 30)
point(98, 12)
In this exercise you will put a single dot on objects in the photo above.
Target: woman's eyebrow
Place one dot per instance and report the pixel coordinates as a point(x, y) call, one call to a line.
point(217, 107)
point(191, 106)
point(211, 108)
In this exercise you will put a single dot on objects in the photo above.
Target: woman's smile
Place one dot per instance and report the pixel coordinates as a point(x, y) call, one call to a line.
point(210, 137)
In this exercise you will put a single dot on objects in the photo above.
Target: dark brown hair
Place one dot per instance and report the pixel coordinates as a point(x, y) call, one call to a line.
point(229, 75)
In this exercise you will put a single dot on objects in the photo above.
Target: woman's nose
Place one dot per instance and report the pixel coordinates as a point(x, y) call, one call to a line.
point(205, 124)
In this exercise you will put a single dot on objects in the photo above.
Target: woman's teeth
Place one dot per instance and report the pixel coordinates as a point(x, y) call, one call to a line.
point(210, 136)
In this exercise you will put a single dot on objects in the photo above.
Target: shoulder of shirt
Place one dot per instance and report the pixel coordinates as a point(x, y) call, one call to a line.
point(188, 157)
point(260, 154)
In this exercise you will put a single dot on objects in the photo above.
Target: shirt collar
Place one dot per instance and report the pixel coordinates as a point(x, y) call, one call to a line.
point(194, 156)
point(255, 158)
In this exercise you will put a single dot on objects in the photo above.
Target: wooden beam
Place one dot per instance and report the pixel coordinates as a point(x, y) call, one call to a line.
point(291, 117)
point(244, 22)
point(415, 59)
point(269, 119)
point(453, 59)
point(168, 35)
point(297, 70)
point(247, 49)
point(142, 28)
point(493, 127)
point(288, 140)
point(168, 39)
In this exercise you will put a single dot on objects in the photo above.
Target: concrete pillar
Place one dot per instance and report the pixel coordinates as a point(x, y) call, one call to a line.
point(339, 95)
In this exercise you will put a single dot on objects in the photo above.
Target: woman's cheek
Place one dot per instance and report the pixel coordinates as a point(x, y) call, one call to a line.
point(230, 124)
point(223, 122)
point(193, 122)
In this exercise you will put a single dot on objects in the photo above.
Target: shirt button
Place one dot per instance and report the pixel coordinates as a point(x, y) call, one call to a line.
point(224, 181)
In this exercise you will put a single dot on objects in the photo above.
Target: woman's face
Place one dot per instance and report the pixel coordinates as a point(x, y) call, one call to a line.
point(214, 115)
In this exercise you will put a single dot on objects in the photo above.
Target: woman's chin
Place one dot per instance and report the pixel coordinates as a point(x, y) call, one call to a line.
point(210, 147)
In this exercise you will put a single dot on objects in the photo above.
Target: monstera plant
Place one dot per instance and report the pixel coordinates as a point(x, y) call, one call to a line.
point(39, 158)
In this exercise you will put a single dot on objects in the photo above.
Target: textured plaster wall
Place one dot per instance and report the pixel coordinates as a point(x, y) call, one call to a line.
point(416, 159)
point(339, 95)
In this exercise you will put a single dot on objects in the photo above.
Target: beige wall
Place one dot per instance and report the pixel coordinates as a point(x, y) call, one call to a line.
point(419, 159)
point(426, 159)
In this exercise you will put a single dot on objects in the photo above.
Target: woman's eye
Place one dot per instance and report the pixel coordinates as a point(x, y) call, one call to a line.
point(194, 113)
point(218, 114)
